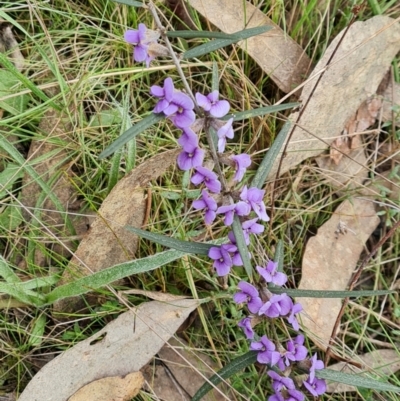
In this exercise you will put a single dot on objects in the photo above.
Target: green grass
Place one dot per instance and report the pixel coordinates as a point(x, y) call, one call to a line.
point(78, 47)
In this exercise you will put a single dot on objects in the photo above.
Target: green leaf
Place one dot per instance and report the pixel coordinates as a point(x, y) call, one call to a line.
point(25, 81)
point(17, 291)
point(108, 276)
point(131, 133)
point(270, 157)
point(7, 273)
point(9, 85)
point(261, 111)
point(11, 217)
point(355, 380)
point(184, 246)
point(12, 173)
point(329, 294)
point(226, 372)
point(204, 35)
point(218, 43)
point(130, 3)
point(241, 245)
point(36, 336)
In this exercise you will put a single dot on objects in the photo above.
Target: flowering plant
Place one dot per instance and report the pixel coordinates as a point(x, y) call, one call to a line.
point(205, 128)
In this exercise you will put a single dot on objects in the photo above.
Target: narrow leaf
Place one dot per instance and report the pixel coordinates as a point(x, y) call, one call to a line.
point(219, 43)
point(183, 246)
point(261, 111)
point(355, 380)
point(15, 290)
point(131, 133)
point(7, 273)
point(329, 294)
point(117, 272)
point(6, 63)
point(226, 372)
point(242, 247)
point(270, 157)
point(203, 35)
point(130, 3)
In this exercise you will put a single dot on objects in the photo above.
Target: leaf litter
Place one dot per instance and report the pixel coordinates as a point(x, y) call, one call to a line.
point(122, 347)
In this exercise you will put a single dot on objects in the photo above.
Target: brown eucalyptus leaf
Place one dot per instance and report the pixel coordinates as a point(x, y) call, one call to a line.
point(124, 346)
point(114, 388)
point(383, 362)
point(358, 67)
point(274, 51)
point(108, 243)
point(187, 369)
point(329, 261)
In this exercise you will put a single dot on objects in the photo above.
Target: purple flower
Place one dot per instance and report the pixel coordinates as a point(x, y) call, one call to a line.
point(164, 94)
point(254, 197)
point(252, 227)
point(316, 364)
point(250, 295)
point(267, 353)
point(190, 157)
point(188, 139)
point(292, 318)
point(296, 351)
point(278, 305)
point(271, 275)
point(208, 177)
point(180, 110)
point(289, 395)
point(245, 324)
point(316, 387)
point(226, 131)
point(240, 208)
point(241, 163)
point(208, 203)
point(222, 260)
point(217, 108)
point(279, 382)
point(140, 39)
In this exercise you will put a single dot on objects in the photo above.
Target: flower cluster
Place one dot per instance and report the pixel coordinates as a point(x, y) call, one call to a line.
point(248, 205)
point(285, 359)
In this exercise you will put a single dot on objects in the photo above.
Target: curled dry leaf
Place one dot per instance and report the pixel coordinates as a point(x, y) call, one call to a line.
point(329, 261)
point(9, 43)
point(124, 346)
point(354, 74)
point(383, 362)
point(114, 388)
point(188, 369)
point(108, 242)
point(274, 51)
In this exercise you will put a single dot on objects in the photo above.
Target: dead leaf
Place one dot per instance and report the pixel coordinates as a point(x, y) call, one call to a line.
point(357, 68)
point(124, 346)
point(274, 51)
point(186, 368)
point(9, 43)
point(115, 388)
point(329, 261)
point(384, 362)
point(108, 242)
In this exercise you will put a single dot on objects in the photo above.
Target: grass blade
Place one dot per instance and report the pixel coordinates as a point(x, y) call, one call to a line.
point(183, 246)
point(216, 44)
point(131, 133)
point(6, 272)
point(203, 35)
point(131, 3)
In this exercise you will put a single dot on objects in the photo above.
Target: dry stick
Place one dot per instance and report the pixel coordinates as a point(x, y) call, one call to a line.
point(353, 283)
point(302, 108)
